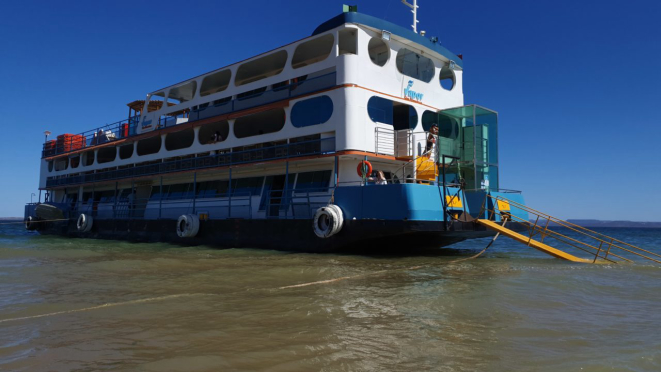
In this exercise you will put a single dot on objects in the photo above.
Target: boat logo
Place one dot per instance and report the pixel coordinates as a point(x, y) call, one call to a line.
point(410, 94)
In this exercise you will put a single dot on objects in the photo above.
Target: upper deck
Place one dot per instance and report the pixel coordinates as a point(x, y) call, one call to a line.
point(353, 74)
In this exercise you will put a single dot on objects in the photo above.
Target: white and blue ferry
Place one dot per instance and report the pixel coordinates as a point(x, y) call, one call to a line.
point(357, 135)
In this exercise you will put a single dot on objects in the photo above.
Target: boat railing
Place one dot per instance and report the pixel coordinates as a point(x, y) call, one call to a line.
point(295, 88)
point(228, 159)
point(127, 128)
point(107, 133)
point(296, 203)
point(238, 204)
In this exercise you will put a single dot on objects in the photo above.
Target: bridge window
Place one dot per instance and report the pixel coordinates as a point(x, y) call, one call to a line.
point(447, 78)
point(126, 151)
point(182, 93)
point(399, 115)
point(378, 51)
point(207, 132)
point(311, 111)
point(179, 140)
point(216, 82)
point(313, 51)
point(260, 123)
point(149, 145)
point(414, 65)
point(261, 68)
point(347, 43)
point(106, 155)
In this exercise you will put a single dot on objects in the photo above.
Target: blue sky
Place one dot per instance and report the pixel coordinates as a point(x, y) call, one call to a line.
point(576, 83)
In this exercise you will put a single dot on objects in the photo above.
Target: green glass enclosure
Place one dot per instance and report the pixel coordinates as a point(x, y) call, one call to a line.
point(471, 134)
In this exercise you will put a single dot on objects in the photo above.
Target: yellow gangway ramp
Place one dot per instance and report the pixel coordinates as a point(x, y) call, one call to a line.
point(599, 247)
point(530, 242)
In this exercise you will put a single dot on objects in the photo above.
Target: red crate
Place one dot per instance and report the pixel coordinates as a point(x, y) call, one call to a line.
point(49, 147)
point(70, 142)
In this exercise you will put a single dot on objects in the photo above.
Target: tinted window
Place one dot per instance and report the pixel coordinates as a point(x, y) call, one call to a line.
point(414, 65)
point(311, 111)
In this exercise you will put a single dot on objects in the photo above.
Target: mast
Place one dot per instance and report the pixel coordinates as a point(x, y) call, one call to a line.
point(414, 10)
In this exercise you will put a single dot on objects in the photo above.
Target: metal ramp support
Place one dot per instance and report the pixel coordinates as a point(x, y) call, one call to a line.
point(600, 248)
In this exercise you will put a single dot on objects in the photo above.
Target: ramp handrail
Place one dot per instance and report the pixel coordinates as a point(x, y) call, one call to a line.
point(601, 247)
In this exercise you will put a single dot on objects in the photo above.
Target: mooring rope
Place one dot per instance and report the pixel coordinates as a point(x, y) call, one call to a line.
point(33, 221)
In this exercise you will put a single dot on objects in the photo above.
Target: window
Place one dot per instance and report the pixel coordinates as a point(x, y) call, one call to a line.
point(207, 132)
point(216, 82)
point(179, 140)
point(50, 166)
point(149, 145)
point(260, 123)
point(313, 181)
point(75, 161)
point(182, 93)
point(399, 115)
point(178, 191)
point(378, 51)
point(155, 101)
point(347, 43)
point(261, 68)
point(447, 78)
point(245, 186)
point(414, 65)
point(106, 155)
point(88, 158)
point(61, 164)
point(212, 189)
point(312, 51)
point(448, 127)
point(311, 111)
point(126, 151)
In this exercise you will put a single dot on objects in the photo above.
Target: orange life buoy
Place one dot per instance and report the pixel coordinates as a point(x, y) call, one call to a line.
point(360, 168)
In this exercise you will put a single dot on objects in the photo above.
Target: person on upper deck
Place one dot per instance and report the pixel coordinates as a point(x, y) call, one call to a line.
point(380, 178)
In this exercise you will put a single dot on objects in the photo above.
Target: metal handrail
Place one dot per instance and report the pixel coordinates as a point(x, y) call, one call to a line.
point(94, 137)
point(289, 150)
point(599, 238)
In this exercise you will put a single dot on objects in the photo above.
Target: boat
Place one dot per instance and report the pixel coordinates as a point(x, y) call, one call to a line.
point(356, 136)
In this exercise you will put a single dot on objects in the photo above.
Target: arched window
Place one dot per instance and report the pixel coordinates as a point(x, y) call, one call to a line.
point(179, 140)
point(311, 111)
point(312, 51)
point(414, 65)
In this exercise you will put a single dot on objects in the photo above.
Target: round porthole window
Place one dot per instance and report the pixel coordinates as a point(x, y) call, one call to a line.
point(447, 78)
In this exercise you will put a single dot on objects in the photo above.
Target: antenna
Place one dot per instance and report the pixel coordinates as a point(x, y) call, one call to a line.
point(414, 10)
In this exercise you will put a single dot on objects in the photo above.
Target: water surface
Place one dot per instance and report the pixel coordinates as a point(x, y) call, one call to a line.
point(77, 304)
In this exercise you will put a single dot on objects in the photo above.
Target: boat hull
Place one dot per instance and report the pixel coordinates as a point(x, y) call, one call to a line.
point(292, 235)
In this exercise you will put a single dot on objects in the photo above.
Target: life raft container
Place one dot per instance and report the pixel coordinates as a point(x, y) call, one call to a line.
point(188, 226)
point(84, 223)
point(328, 221)
point(362, 165)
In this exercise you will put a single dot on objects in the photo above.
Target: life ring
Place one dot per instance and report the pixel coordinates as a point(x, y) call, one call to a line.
point(360, 168)
point(84, 223)
point(30, 223)
point(328, 221)
point(188, 226)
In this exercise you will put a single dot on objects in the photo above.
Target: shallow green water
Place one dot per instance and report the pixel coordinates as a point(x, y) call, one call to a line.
point(204, 309)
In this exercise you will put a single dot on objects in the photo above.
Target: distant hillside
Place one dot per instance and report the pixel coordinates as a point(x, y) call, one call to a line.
point(599, 223)
point(11, 218)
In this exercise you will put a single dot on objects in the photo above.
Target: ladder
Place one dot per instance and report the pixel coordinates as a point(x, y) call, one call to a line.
point(598, 247)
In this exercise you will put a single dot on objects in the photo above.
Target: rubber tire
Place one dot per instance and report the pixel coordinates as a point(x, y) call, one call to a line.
point(30, 224)
point(334, 214)
point(84, 223)
point(188, 226)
